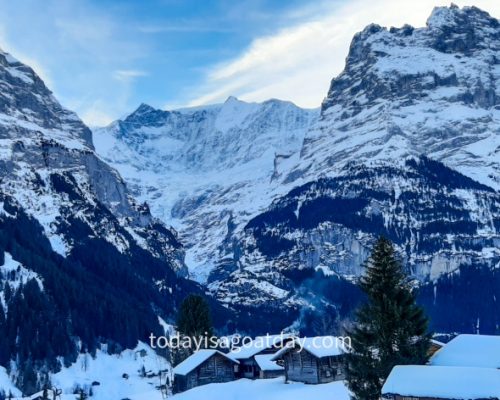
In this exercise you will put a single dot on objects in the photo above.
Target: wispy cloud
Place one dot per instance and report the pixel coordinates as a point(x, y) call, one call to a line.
point(127, 75)
point(298, 62)
point(186, 26)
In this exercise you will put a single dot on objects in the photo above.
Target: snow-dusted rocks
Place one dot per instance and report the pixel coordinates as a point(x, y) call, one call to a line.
point(88, 254)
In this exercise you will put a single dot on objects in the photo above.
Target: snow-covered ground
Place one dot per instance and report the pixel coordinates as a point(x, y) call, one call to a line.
point(109, 371)
point(265, 389)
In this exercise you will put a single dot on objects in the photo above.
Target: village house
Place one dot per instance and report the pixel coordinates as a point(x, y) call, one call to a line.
point(423, 382)
point(469, 351)
point(203, 367)
point(320, 360)
point(250, 367)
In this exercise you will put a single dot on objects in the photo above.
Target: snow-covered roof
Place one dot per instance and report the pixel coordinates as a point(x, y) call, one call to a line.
point(260, 343)
point(318, 346)
point(197, 359)
point(469, 351)
point(437, 343)
point(457, 383)
point(265, 362)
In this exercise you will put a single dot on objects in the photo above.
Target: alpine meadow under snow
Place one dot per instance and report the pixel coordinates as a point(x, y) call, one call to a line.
point(266, 210)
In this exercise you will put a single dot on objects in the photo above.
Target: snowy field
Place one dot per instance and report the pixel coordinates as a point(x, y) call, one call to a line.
point(265, 389)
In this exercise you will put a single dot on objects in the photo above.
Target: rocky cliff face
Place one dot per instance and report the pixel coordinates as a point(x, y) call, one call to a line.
point(411, 91)
point(49, 168)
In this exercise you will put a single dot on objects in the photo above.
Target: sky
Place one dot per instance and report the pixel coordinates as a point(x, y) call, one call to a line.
point(103, 58)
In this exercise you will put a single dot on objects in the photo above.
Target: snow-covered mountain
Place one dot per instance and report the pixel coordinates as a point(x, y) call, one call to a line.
point(407, 144)
point(411, 91)
point(205, 170)
point(81, 261)
point(48, 167)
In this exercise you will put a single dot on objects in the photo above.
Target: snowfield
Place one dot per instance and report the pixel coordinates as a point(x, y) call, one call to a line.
point(109, 370)
point(265, 389)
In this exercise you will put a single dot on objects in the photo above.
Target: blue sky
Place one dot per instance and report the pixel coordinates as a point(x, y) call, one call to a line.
point(103, 58)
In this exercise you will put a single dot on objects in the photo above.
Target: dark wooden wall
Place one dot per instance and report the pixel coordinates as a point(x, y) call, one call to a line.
point(216, 369)
point(302, 366)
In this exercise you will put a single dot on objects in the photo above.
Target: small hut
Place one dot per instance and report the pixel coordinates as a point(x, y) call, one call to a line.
point(203, 367)
point(313, 360)
point(267, 367)
point(423, 382)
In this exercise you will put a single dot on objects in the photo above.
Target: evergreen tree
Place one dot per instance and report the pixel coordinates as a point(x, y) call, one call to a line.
point(390, 330)
point(194, 319)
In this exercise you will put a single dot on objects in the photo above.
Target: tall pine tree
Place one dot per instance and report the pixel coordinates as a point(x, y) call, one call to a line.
point(390, 330)
point(194, 319)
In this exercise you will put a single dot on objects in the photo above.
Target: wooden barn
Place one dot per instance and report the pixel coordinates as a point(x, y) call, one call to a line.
point(423, 382)
point(313, 360)
point(203, 367)
point(262, 345)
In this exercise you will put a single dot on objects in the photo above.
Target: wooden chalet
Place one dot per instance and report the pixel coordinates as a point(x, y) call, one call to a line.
point(203, 367)
point(319, 360)
point(246, 354)
point(423, 382)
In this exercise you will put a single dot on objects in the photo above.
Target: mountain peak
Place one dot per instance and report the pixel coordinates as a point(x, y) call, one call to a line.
point(25, 99)
point(144, 108)
point(454, 16)
point(232, 99)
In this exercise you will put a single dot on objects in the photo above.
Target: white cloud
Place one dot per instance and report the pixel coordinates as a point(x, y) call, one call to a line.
point(127, 75)
point(299, 62)
point(94, 116)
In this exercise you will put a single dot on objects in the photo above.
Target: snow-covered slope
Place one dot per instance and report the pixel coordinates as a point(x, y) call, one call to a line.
point(205, 170)
point(137, 374)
